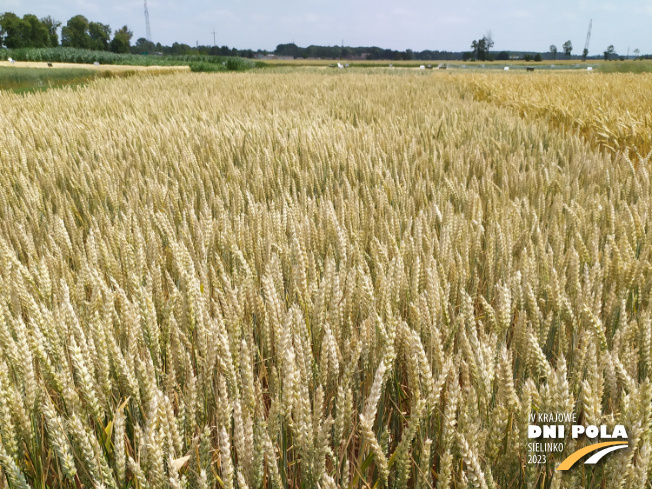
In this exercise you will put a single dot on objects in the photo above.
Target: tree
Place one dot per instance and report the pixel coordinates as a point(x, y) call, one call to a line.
point(11, 31)
point(34, 32)
point(143, 46)
point(51, 25)
point(537, 57)
point(481, 48)
point(489, 43)
point(568, 48)
point(502, 56)
point(637, 52)
point(100, 35)
point(28, 32)
point(553, 51)
point(609, 53)
point(474, 47)
point(177, 48)
point(290, 49)
point(121, 40)
point(585, 53)
point(75, 33)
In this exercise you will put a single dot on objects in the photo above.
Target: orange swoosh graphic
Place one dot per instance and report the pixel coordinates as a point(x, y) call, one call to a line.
point(575, 456)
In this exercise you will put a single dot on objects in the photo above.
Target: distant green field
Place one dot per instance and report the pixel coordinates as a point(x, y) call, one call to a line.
point(638, 66)
point(74, 55)
point(30, 79)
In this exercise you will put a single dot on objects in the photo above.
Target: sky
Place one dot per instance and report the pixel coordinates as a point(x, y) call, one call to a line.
point(523, 25)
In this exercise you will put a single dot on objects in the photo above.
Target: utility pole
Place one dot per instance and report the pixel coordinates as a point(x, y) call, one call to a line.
point(148, 30)
point(585, 53)
point(213, 36)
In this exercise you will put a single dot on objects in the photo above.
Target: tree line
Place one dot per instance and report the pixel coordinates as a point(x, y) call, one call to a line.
point(370, 53)
point(78, 32)
point(32, 32)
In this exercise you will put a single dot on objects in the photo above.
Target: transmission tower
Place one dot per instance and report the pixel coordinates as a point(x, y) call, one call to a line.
point(149, 31)
point(586, 46)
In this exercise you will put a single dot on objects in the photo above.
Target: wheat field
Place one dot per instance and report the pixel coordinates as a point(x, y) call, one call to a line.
point(314, 279)
point(612, 111)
